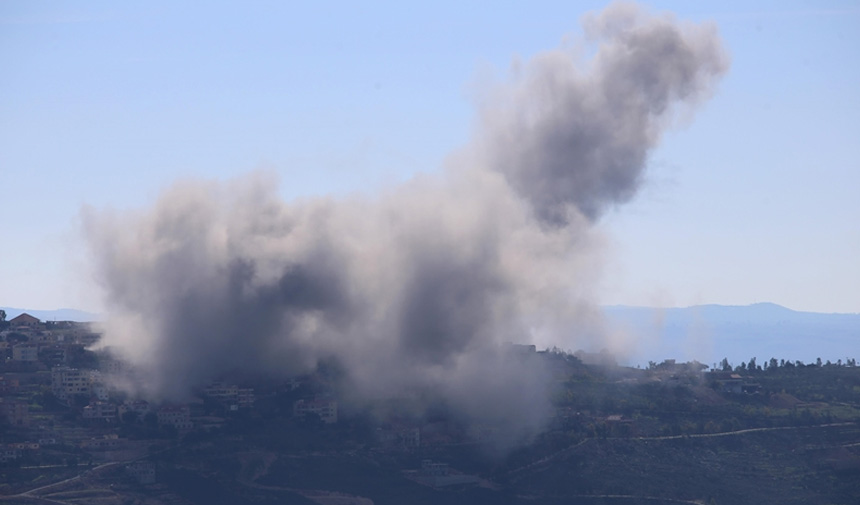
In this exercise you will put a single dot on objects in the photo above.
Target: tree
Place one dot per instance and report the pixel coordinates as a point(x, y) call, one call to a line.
point(17, 338)
point(724, 364)
point(751, 366)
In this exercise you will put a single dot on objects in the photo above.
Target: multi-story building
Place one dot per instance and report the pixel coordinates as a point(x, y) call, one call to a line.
point(325, 408)
point(98, 388)
point(231, 396)
point(139, 407)
point(100, 410)
point(25, 352)
point(178, 416)
point(67, 382)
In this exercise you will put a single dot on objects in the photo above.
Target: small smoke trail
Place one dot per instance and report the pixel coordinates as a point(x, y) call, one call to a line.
point(416, 289)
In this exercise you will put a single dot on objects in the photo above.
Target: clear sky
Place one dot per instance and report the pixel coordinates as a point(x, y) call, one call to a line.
point(106, 103)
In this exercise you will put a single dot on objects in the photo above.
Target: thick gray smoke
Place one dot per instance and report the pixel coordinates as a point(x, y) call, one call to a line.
point(415, 289)
point(575, 137)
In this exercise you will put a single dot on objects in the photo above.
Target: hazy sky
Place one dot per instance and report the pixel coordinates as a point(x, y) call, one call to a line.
point(105, 104)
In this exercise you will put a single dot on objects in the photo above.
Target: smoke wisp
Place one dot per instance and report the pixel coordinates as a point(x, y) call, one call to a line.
point(414, 289)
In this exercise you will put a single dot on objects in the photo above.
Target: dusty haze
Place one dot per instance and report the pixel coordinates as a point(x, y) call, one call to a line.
point(414, 289)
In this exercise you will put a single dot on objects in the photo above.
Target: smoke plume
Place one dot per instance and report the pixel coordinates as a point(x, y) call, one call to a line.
point(414, 289)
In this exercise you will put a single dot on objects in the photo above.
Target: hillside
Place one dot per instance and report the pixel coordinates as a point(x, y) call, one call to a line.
point(670, 434)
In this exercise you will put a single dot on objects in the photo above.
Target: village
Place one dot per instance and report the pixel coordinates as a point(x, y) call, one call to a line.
point(64, 413)
point(59, 404)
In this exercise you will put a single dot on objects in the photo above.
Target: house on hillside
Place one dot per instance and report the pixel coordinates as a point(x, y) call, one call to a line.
point(25, 320)
point(729, 382)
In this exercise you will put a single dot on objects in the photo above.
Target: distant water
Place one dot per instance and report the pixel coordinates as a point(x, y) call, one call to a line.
point(709, 333)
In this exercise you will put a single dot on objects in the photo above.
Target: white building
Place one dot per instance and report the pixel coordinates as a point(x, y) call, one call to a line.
point(67, 382)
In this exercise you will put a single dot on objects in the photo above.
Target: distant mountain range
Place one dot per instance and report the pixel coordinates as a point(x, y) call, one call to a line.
point(710, 333)
point(53, 315)
point(707, 333)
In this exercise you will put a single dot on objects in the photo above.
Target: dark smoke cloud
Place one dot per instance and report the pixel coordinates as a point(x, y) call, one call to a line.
point(413, 290)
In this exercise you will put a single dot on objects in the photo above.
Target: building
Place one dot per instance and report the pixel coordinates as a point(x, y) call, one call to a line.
point(325, 408)
point(100, 410)
point(15, 412)
point(440, 475)
point(67, 382)
point(399, 438)
point(25, 352)
point(8, 384)
point(139, 407)
point(178, 416)
point(25, 321)
point(14, 451)
point(113, 366)
point(54, 355)
point(106, 443)
point(231, 396)
point(98, 388)
point(142, 471)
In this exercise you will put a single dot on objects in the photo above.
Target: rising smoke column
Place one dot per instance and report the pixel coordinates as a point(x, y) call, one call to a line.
point(415, 289)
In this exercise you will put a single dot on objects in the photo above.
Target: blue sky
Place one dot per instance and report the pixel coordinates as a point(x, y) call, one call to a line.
point(106, 104)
